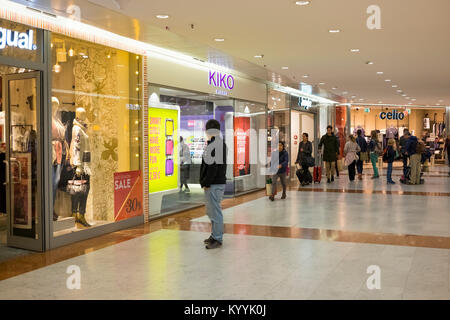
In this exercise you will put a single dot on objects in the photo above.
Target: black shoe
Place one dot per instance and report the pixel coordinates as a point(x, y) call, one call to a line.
point(209, 240)
point(214, 245)
point(283, 196)
point(332, 178)
point(55, 217)
point(272, 198)
point(328, 180)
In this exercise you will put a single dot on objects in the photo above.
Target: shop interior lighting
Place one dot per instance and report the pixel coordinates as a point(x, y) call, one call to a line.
point(71, 52)
point(334, 31)
point(354, 50)
point(162, 16)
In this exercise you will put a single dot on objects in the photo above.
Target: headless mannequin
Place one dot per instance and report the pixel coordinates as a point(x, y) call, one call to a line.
point(80, 158)
point(58, 131)
point(391, 132)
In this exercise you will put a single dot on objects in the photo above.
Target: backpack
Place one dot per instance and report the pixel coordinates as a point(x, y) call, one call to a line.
point(420, 147)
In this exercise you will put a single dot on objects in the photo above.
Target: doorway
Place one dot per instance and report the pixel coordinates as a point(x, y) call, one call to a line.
point(301, 122)
point(20, 161)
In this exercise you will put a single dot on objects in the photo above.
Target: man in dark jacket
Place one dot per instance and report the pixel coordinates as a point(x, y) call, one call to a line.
point(361, 141)
point(212, 180)
point(403, 152)
point(330, 152)
point(414, 159)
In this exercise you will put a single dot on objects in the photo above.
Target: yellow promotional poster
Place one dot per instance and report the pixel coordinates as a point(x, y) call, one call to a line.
point(163, 149)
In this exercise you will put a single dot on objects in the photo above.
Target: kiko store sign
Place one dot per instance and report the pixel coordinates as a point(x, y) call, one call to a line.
point(223, 82)
point(394, 115)
point(16, 39)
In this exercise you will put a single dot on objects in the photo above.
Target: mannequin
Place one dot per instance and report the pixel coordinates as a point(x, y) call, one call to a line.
point(80, 159)
point(391, 132)
point(426, 122)
point(58, 141)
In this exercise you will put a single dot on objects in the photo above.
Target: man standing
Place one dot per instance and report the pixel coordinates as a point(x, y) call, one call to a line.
point(414, 159)
point(213, 180)
point(185, 163)
point(402, 143)
point(330, 152)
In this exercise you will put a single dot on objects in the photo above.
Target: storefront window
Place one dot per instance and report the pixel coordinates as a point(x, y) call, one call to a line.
point(96, 130)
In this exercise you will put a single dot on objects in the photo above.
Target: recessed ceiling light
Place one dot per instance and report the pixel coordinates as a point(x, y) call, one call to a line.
point(369, 62)
point(334, 31)
point(388, 80)
point(399, 91)
point(394, 86)
point(284, 68)
point(302, 3)
point(407, 98)
point(404, 95)
point(219, 39)
point(380, 101)
point(380, 72)
point(413, 99)
point(321, 83)
point(334, 88)
point(259, 56)
point(306, 76)
point(354, 50)
point(410, 103)
point(361, 99)
point(353, 96)
point(345, 92)
point(162, 16)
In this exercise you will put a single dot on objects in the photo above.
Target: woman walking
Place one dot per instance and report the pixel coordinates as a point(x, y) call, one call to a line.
point(280, 165)
point(350, 153)
point(390, 157)
point(304, 154)
point(374, 149)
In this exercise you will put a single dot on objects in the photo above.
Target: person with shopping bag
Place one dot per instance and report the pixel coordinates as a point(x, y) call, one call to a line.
point(351, 150)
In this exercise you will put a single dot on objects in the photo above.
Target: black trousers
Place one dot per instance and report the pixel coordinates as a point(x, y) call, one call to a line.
point(352, 171)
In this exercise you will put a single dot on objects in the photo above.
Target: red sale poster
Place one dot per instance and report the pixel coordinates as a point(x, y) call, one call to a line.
point(241, 146)
point(127, 195)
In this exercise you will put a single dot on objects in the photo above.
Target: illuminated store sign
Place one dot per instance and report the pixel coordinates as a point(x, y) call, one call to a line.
point(221, 81)
point(304, 103)
point(21, 40)
point(394, 115)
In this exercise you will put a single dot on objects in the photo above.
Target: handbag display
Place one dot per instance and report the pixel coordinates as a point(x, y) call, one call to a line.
point(76, 186)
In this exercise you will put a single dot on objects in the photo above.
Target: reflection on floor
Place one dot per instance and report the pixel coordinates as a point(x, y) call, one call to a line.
point(298, 248)
point(183, 200)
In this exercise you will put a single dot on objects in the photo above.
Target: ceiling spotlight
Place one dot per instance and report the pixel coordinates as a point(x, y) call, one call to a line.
point(302, 3)
point(306, 76)
point(413, 99)
point(219, 39)
point(334, 31)
point(259, 56)
point(394, 86)
point(369, 62)
point(380, 72)
point(380, 101)
point(361, 99)
point(404, 95)
point(354, 50)
point(399, 91)
point(321, 83)
point(353, 97)
point(388, 80)
point(334, 88)
point(284, 68)
point(162, 16)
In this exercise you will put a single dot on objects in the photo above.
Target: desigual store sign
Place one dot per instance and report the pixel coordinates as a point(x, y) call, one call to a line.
point(16, 39)
point(182, 75)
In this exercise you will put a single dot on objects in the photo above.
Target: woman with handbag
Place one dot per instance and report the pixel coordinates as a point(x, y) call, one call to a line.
point(305, 160)
point(350, 154)
point(363, 155)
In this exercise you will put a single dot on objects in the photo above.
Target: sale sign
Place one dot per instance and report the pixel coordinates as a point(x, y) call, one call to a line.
point(241, 146)
point(127, 195)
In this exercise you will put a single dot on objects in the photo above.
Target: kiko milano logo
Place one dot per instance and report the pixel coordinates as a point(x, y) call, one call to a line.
point(221, 80)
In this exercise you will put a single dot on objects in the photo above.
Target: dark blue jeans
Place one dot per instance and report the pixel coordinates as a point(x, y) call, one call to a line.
point(389, 172)
point(359, 166)
point(405, 164)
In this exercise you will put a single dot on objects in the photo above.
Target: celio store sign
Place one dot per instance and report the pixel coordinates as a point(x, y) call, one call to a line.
point(16, 39)
point(394, 115)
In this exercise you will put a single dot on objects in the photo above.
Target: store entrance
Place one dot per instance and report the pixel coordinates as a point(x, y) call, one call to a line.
point(20, 222)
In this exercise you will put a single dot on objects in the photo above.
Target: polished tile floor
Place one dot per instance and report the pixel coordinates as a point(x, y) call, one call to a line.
point(316, 244)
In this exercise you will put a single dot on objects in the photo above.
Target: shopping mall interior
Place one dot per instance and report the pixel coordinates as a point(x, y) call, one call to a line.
point(332, 121)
